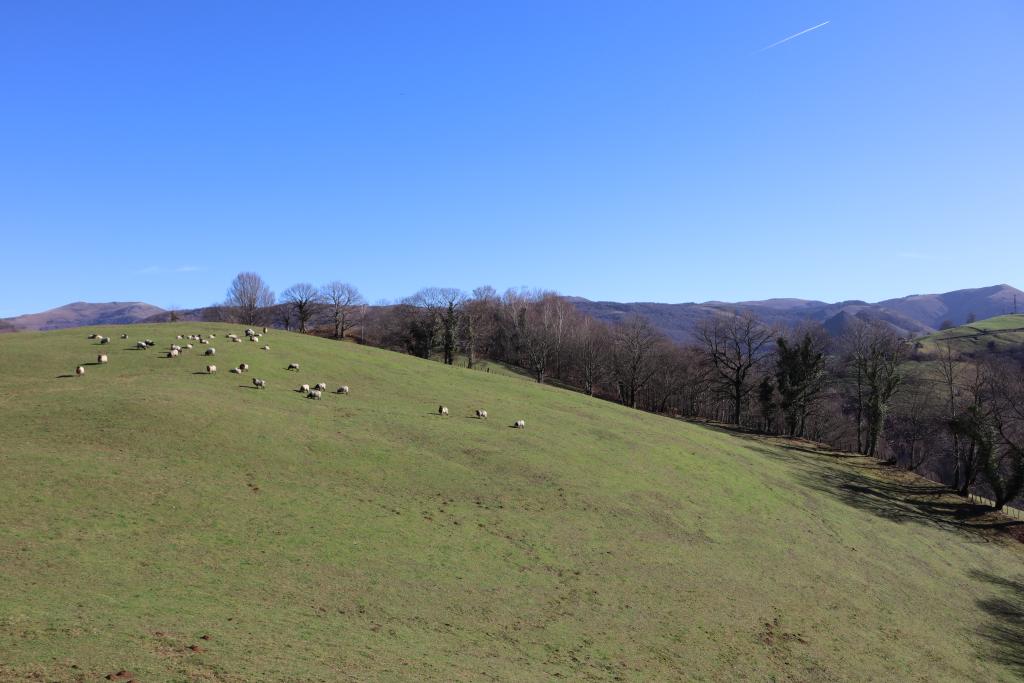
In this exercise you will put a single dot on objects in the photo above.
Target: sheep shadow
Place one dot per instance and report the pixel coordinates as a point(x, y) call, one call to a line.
point(1004, 634)
point(63, 376)
point(201, 372)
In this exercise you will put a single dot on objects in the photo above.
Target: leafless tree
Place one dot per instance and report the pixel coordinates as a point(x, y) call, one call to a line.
point(734, 346)
point(344, 302)
point(634, 348)
point(590, 344)
point(247, 296)
point(873, 357)
point(303, 299)
point(478, 316)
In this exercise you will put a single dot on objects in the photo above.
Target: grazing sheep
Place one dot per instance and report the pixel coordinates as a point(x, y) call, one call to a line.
point(124, 335)
point(235, 371)
point(104, 340)
point(442, 410)
point(79, 371)
point(254, 338)
point(173, 353)
point(249, 332)
point(316, 393)
point(482, 414)
point(204, 341)
point(293, 366)
point(236, 339)
point(343, 389)
point(210, 369)
point(141, 345)
point(520, 424)
point(93, 336)
point(210, 352)
point(304, 389)
point(321, 386)
point(266, 348)
point(244, 367)
point(150, 342)
point(264, 330)
point(188, 346)
point(102, 358)
point(259, 383)
point(179, 336)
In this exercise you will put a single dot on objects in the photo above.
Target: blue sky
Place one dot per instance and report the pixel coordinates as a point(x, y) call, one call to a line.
point(612, 150)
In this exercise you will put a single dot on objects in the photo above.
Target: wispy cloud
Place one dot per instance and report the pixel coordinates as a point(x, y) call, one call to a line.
point(795, 35)
point(162, 270)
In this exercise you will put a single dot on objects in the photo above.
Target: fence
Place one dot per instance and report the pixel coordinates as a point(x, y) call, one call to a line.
point(1013, 513)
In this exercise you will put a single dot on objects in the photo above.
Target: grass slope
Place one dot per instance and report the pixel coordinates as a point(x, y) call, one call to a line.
point(363, 537)
point(1002, 332)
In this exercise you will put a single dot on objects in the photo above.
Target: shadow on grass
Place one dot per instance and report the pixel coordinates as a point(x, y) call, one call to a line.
point(1005, 633)
point(63, 376)
point(883, 490)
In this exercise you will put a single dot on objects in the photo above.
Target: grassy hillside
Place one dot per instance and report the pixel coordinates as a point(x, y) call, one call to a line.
point(188, 527)
point(999, 334)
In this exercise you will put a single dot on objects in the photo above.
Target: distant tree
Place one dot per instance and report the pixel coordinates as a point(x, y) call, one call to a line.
point(872, 356)
point(590, 348)
point(634, 348)
point(343, 302)
point(946, 324)
point(247, 296)
point(971, 318)
point(800, 378)
point(767, 403)
point(303, 299)
point(478, 315)
point(734, 346)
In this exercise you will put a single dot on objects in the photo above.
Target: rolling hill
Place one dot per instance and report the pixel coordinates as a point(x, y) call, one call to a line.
point(174, 525)
point(913, 316)
point(81, 313)
point(1001, 333)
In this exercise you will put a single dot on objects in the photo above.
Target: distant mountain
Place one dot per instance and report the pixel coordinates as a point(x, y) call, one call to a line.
point(80, 314)
point(913, 316)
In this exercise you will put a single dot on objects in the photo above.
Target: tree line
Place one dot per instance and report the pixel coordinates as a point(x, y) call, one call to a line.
point(956, 418)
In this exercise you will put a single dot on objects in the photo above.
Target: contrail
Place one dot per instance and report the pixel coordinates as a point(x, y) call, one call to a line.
point(795, 35)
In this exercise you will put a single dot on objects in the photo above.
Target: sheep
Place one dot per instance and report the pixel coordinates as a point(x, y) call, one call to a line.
point(79, 371)
point(304, 389)
point(204, 341)
point(343, 389)
point(316, 393)
point(236, 339)
point(179, 336)
point(520, 424)
point(321, 386)
point(264, 330)
point(293, 366)
point(210, 369)
point(254, 338)
point(173, 353)
point(188, 346)
point(102, 358)
point(104, 340)
point(266, 348)
point(124, 335)
point(259, 383)
point(141, 345)
point(442, 410)
point(150, 342)
point(249, 332)
point(482, 414)
point(244, 367)
point(210, 352)
point(93, 336)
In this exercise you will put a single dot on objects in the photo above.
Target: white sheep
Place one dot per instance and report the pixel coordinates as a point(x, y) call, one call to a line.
point(266, 348)
point(179, 336)
point(173, 353)
point(93, 336)
point(210, 352)
point(316, 393)
point(254, 338)
point(124, 335)
point(236, 339)
point(520, 424)
point(482, 414)
point(249, 332)
point(304, 388)
point(79, 371)
point(264, 330)
point(343, 389)
point(150, 342)
point(204, 341)
point(188, 346)
point(104, 340)
point(243, 367)
point(321, 386)
point(102, 358)
point(442, 410)
point(210, 369)
point(141, 345)
point(293, 366)
point(259, 383)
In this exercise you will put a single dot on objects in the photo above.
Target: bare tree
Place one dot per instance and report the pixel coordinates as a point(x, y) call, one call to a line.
point(873, 356)
point(734, 346)
point(590, 347)
point(344, 302)
point(247, 296)
point(634, 348)
point(304, 300)
point(478, 315)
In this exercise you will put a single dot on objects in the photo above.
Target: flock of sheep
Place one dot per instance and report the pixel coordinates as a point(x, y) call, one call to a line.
point(314, 392)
